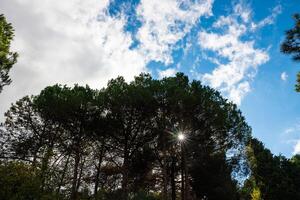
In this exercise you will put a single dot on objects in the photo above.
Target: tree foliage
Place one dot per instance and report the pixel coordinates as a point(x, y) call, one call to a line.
point(18, 181)
point(291, 44)
point(7, 57)
point(272, 177)
point(121, 142)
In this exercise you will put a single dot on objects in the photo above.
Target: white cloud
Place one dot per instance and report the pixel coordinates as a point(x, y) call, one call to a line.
point(290, 130)
point(166, 73)
point(283, 76)
point(242, 10)
point(297, 148)
point(165, 23)
point(241, 89)
point(293, 130)
point(268, 20)
point(291, 136)
point(67, 42)
point(232, 76)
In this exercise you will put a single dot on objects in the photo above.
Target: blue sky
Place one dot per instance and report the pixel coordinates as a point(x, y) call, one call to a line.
point(272, 108)
point(232, 46)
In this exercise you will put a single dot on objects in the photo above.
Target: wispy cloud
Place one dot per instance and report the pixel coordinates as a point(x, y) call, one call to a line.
point(291, 136)
point(234, 75)
point(165, 23)
point(268, 20)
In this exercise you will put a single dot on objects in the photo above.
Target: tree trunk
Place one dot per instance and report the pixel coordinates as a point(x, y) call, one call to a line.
point(173, 185)
point(185, 174)
point(97, 178)
point(75, 176)
point(186, 181)
point(80, 175)
point(165, 182)
point(62, 176)
point(125, 171)
point(165, 175)
point(182, 174)
point(45, 163)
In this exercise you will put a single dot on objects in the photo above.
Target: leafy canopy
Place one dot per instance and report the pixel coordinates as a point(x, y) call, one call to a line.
point(7, 57)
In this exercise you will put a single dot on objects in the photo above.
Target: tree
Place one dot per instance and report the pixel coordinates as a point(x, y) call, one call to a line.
point(215, 147)
point(18, 181)
point(272, 177)
point(73, 109)
point(29, 137)
point(171, 118)
point(212, 126)
point(131, 108)
point(7, 58)
point(291, 44)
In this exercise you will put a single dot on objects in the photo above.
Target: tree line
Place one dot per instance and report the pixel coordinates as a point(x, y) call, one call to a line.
point(122, 139)
point(121, 142)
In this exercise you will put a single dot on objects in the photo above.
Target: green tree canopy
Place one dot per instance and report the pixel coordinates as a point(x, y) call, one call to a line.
point(272, 177)
point(122, 141)
point(291, 44)
point(7, 58)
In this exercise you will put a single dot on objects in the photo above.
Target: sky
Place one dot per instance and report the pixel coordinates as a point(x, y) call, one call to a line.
point(232, 46)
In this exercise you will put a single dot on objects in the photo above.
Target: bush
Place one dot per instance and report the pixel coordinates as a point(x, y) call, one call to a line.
point(18, 181)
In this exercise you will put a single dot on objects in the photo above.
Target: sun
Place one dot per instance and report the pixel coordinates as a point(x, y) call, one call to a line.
point(181, 136)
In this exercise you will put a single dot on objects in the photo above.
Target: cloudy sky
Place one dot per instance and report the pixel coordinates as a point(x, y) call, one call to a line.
point(232, 46)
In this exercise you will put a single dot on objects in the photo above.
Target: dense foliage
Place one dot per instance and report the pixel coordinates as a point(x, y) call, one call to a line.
point(291, 44)
point(121, 142)
point(7, 58)
point(272, 177)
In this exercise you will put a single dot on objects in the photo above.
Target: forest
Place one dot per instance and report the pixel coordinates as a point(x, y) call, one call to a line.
point(148, 139)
